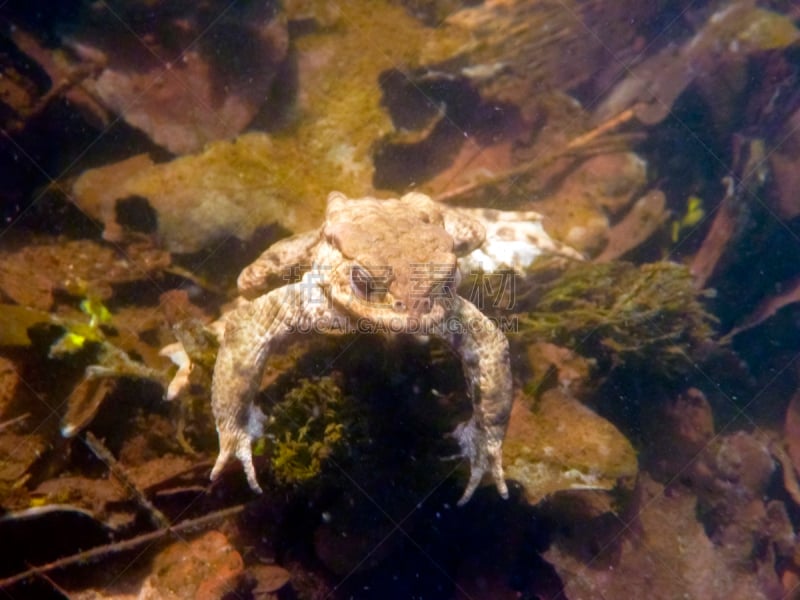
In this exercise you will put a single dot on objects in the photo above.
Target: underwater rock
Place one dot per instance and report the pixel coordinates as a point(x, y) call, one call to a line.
point(664, 554)
point(231, 189)
point(559, 444)
point(677, 432)
point(551, 364)
point(731, 479)
point(612, 180)
point(206, 567)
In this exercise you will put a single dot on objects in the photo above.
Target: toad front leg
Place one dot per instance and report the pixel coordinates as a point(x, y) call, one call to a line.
point(483, 350)
point(251, 332)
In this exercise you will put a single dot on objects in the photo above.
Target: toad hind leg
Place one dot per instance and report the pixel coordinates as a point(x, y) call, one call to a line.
point(251, 331)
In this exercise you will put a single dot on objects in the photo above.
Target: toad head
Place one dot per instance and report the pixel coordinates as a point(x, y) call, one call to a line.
point(390, 262)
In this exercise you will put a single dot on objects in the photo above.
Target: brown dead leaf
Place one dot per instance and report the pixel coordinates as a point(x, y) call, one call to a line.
point(520, 48)
point(84, 402)
point(729, 36)
point(64, 79)
point(16, 321)
point(82, 268)
point(269, 579)
point(791, 431)
point(790, 294)
point(160, 471)
point(785, 166)
point(17, 454)
point(184, 76)
point(94, 495)
point(11, 384)
point(647, 216)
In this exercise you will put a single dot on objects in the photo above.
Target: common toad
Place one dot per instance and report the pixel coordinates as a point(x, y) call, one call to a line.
point(379, 266)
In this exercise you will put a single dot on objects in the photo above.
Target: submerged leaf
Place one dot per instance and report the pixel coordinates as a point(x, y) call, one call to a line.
point(730, 34)
point(84, 402)
point(15, 321)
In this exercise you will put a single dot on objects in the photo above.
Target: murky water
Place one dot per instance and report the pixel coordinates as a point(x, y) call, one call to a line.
point(490, 299)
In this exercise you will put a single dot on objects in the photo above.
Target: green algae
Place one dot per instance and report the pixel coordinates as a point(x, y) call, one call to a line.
point(649, 316)
point(306, 428)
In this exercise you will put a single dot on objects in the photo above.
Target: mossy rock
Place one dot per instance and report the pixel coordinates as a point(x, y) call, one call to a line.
point(557, 444)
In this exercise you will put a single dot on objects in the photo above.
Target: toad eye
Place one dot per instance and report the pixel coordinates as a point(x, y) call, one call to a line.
point(365, 285)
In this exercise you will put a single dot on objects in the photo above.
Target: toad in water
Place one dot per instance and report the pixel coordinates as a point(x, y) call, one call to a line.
point(378, 265)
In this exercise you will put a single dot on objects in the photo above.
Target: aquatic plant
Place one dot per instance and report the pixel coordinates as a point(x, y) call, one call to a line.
point(102, 358)
point(695, 213)
point(306, 428)
point(619, 313)
point(77, 333)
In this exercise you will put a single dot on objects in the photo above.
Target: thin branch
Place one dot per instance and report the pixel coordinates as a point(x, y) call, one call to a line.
point(100, 451)
point(591, 142)
point(105, 550)
point(15, 421)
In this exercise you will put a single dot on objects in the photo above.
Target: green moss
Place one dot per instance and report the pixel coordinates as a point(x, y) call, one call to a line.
point(306, 428)
point(619, 313)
